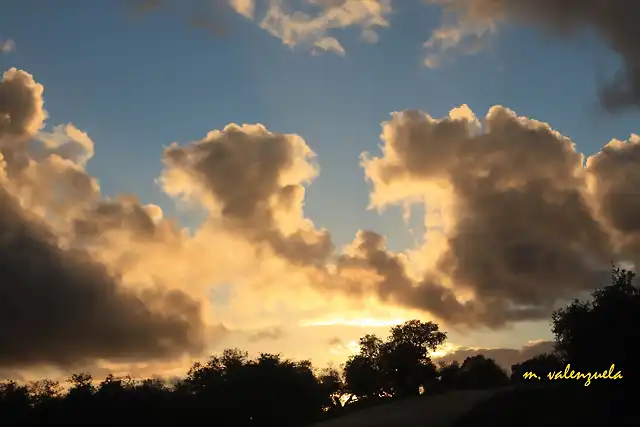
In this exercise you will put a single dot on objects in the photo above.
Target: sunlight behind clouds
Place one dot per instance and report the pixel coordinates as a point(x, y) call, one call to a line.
point(517, 219)
point(283, 269)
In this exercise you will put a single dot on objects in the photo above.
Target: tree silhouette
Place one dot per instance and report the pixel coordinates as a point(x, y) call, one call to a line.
point(591, 335)
point(448, 375)
point(334, 389)
point(406, 367)
point(79, 400)
point(46, 398)
point(480, 372)
point(398, 366)
point(424, 335)
point(14, 402)
point(232, 389)
point(363, 377)
point(268, 390)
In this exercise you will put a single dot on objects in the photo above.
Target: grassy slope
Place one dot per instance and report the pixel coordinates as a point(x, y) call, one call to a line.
point(420, 411)
point(548, 405)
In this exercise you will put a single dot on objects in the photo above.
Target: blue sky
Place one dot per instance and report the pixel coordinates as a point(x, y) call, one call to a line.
point(136, 84)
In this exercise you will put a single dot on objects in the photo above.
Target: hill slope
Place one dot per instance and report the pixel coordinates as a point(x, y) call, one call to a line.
point(433, 411)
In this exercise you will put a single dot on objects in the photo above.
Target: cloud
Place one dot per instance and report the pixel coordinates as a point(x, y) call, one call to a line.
point(468, 24)
point(528, 224)
point(464, 31)
point(21, 106)
point(524, 227)
point(59, 305)
point(614, 178)
point(505, 357)
point(245, 8)
point(306, 24)
point(335, 341)
point(313, 30)
point(124, 259)
point(338, 347)
point(66, 141)
point(7, 45)
point(523, 232)
point(250, 180)
point(273, 334)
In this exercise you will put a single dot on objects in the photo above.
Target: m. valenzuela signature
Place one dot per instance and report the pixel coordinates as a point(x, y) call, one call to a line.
point(570, 374)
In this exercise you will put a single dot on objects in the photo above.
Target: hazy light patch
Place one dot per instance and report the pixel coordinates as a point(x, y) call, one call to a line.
point(343, 349)
point(363, 322)
point(627, 265)
point(446, 348)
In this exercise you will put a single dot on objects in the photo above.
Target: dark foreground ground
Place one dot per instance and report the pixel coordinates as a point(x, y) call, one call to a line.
point(420, 411)
point(556, 405)
point(539, 406)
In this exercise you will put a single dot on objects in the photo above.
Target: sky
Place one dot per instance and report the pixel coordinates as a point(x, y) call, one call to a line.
point(289, 175)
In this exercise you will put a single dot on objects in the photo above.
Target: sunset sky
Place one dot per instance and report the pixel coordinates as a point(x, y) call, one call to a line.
point(287, 176)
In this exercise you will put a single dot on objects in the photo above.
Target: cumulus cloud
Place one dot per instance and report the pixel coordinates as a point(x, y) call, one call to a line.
point(7, 45)
point(21, 104)
point(59, 305)
point(250, 180)
point(97, 281)
point(66, 141)
point(614, 179)
point(525, 226)
point(468, 24)
point(524, 231)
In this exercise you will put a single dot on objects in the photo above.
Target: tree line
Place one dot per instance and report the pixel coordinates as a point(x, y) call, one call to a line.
point(232, 389)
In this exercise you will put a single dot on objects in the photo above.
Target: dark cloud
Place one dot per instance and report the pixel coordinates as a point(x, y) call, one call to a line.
point(58, 306)
point(615, 21)
point(272, 334)
point(524, 234)
point(393, 285)
point(125, 213)
point(616, 186)
point(505, 357)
